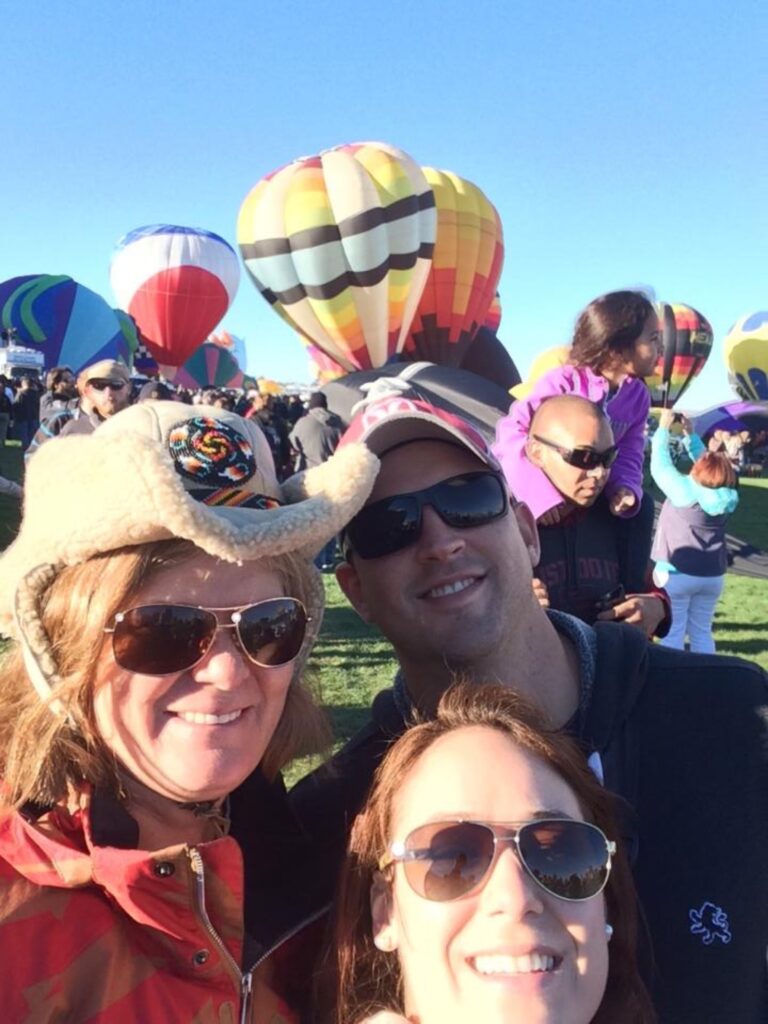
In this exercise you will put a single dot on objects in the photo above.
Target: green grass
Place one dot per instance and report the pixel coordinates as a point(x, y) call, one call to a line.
point(750, 520)
point(12, 468)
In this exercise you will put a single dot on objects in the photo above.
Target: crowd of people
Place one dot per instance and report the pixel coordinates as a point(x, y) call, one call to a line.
point(555, 813)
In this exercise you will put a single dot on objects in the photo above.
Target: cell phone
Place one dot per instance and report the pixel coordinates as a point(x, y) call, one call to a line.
point(611, 599)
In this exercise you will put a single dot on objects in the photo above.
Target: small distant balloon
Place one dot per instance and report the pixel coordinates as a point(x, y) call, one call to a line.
point(465, 271)
point(177, 283)
point(340, 245)
point(209, 366)
point(70, 324)
point(232, 342)
point(687, 339)
point(746, 355)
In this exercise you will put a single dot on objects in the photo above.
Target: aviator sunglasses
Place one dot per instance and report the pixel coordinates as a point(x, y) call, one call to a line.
point(389, 525)
point(162, 639)
point(582, 458)
point(447, 860)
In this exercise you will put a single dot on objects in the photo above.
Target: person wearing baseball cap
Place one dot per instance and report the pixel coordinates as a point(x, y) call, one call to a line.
point(441, 560)
point(104, 389)
point(161, 622)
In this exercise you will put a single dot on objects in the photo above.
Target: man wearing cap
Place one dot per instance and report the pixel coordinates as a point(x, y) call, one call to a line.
point(441, 560)
point(593, 564)
point(104, 388)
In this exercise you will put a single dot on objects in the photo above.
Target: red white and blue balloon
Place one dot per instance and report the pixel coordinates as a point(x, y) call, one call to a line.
point(177, 283)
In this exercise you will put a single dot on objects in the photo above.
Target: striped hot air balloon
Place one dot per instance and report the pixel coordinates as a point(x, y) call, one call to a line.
point(465, 271)
point(340, 246)
point(177, 283)
point(71, 325)
point(687, 341)
point(746, 355)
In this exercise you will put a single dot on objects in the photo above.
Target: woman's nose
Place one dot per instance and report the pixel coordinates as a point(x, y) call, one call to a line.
point(510, 889)
point(224, 665)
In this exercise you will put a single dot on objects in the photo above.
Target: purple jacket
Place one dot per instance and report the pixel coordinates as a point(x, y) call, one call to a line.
point(627, 411)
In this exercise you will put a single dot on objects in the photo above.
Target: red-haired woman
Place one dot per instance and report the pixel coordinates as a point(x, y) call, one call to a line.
point(484, 881)
point(689, 546)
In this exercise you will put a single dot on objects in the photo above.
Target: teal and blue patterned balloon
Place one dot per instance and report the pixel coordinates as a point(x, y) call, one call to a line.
point(71, 325)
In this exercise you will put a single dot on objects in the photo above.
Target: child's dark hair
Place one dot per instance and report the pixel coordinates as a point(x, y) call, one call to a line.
point(608, 328)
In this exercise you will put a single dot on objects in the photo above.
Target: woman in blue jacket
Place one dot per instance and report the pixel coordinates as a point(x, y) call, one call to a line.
point(689, 546)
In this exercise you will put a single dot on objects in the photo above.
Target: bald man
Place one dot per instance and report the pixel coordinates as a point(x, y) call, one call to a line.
point(593, 564)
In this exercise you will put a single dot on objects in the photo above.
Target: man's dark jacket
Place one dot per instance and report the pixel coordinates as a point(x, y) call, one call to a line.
point(684, 739)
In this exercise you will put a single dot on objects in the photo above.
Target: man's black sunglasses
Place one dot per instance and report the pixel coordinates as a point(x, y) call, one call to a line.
point(389, 525)
point(582, 458)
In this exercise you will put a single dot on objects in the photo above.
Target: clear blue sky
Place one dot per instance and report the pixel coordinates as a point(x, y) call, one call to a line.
point(622, 143)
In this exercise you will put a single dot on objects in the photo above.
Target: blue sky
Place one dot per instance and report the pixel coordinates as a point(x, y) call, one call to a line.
point(623, 144)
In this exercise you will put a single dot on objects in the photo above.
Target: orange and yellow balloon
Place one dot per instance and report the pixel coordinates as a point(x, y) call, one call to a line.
point(465, 271)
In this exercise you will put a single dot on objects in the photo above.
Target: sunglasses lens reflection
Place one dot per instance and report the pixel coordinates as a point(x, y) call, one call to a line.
point(272, 632)
point(160, 639)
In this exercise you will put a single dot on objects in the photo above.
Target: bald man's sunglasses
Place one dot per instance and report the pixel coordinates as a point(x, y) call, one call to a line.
point(464, 501)
point(582, 458)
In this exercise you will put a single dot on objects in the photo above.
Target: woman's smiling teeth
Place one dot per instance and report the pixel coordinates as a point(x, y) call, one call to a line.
point(201, 718)
point(451, 588)
point(500, 964)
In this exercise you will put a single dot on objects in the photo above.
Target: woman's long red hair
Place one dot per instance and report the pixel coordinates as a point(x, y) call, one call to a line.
point(368, 980)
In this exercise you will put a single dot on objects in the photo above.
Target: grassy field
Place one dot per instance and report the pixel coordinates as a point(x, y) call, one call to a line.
point(351, 662)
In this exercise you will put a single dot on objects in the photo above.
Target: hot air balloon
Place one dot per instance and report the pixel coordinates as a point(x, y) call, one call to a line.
point(466, 266)
point(322, 368)
point(340, 246)
point(234, 344)
point(209, 366)
point(69, 323)
point(493, 317)
point(177, 283)
point(746, 355)
point(543, 363)
point(687, 339)
point(487, 357)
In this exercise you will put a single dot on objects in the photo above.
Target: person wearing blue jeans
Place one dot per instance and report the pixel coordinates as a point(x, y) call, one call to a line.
point(689, 547)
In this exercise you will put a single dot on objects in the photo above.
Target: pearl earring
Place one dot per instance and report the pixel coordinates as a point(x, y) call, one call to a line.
point(383, 942)
point(608, 932)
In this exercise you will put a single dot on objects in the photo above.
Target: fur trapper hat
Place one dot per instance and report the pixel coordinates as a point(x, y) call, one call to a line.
point(162, 470)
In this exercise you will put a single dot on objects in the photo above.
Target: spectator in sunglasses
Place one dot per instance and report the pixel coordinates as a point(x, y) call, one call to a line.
point(441, 561)
point(447, 912)
point(162, 618)
point(615, 344)
point(593, 564)
point(104, 389)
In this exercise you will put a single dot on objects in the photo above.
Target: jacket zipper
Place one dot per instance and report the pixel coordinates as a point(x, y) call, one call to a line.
point(244, 978)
